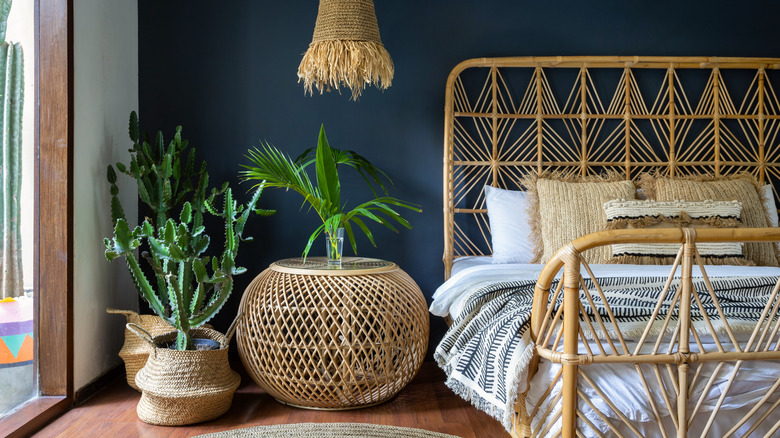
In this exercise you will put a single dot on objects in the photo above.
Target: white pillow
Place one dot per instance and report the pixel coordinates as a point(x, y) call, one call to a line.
point(510, 228)
point(769, 204)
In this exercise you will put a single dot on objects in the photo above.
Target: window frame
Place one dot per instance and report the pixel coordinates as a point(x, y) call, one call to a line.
point(53, 256)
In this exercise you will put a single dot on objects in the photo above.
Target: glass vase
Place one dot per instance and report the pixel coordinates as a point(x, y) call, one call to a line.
point(334, 247)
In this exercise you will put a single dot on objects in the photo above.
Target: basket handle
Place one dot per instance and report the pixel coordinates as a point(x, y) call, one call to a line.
point(127, 313)
point(233, 327)
point(141, 333)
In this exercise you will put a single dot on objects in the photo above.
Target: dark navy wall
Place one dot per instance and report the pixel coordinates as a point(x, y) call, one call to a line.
point(226, 71)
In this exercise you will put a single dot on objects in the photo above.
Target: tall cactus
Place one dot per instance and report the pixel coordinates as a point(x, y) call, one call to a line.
point(186, 295)
point(164, 174)
point(176, 256)
point(166, 178)
point(12, 88)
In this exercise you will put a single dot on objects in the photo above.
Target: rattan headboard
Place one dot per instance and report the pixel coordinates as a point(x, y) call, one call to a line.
point(505, 117)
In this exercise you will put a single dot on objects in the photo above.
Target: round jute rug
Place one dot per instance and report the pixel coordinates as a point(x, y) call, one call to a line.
point(327, 430)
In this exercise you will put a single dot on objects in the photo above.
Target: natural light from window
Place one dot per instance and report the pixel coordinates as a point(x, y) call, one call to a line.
point(17, 375)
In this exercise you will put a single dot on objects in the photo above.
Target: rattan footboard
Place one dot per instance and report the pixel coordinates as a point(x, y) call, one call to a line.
point(546, 331)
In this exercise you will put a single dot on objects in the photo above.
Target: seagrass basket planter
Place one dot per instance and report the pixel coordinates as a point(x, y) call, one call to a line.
point(135, 350)
point(185, 387)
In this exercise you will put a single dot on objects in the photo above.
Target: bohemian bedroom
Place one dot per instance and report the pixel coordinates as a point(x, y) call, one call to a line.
point(365, 218)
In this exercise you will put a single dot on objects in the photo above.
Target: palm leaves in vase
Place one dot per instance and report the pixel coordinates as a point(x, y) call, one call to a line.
point(273, 168)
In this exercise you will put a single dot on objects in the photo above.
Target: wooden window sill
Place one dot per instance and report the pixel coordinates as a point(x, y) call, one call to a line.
point(32, 416)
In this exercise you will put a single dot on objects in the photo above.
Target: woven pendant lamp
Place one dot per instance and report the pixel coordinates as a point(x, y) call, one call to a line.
point(346, 49)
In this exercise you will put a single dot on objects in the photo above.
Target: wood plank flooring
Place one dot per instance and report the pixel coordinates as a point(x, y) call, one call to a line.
point(426, 403)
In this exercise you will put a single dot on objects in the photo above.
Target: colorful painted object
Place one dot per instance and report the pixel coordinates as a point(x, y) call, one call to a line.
point(16, 332)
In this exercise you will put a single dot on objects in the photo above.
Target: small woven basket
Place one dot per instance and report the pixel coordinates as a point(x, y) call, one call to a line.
point(135, 350)
point(185, 387)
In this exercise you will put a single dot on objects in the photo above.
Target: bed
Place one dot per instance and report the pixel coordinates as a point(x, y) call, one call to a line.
point(588, 342)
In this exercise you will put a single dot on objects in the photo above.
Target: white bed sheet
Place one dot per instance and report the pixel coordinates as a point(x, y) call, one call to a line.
point(622, 385)
point(470, 261)
point(621, 381)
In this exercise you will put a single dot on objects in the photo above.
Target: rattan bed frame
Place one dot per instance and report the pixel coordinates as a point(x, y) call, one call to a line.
point(506, 117)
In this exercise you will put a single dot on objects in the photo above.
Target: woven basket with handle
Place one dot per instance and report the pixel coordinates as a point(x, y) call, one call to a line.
point(185, 387)
point(135, 350)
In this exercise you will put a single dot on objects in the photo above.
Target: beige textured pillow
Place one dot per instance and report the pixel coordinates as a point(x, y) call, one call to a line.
point(741, 187)
point(627, 214)
point(565, 208)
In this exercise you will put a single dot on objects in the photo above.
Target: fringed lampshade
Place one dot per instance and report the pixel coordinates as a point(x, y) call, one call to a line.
point(346, 49)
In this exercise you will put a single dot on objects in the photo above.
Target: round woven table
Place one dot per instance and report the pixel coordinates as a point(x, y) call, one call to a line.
point(323, 338)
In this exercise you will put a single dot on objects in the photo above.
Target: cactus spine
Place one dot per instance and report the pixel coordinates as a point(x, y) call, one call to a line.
point(12, 86)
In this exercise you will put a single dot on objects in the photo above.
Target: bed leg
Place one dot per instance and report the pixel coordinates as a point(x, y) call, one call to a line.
point(682, 401)
point(569, 415)
point(519, 428)
point(521, 423)
point(571, 324)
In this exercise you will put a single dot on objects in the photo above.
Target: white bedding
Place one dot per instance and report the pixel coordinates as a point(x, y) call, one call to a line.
point(470, 273)
point(621, 382)
point(622, 385)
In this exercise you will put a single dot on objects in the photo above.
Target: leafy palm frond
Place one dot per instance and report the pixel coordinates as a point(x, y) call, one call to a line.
point(273, 168)
point(371, 175)
point(327, 175)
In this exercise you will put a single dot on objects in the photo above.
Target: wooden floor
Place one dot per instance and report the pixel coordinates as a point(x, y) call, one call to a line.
point(426, 403)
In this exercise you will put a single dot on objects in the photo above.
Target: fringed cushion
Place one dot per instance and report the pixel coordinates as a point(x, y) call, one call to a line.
point(622, 214)
point(565, 207)
point(743, 188)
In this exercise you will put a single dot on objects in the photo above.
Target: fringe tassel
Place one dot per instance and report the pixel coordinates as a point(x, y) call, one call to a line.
point(517, 373)
point(683, 220)
point(354, 64)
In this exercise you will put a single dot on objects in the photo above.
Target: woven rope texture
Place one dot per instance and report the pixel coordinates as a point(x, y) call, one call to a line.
point(353, 20)
point(135, 350)
point(743, 189)
point(327, 430)
point(346, 50)
point(186, 387)
point(333, 341)
point(568, 210)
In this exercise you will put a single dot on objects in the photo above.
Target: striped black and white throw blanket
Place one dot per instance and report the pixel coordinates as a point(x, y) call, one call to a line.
point(486, 351)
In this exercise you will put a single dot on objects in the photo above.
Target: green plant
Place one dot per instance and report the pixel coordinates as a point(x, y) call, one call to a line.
point(12, 82)
point(186, 294)
point(273, 168)
point(164, 175)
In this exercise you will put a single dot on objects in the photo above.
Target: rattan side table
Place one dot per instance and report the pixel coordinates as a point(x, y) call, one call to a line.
point(322, 338)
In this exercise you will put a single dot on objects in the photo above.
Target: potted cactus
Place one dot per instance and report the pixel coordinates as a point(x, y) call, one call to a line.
point(166, 178)
point(175, 255)
point(189, 287)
